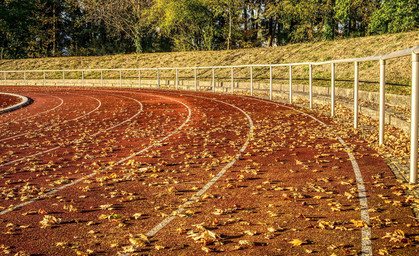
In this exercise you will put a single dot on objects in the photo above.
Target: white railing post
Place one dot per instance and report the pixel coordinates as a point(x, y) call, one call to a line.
point(63, 78)
point(120, 78)
point(177, 79)
point(158, 78)
point(139, 79)
point(196, 82)
point(332, 93)
point(382, 100)
point(251, 80)
point(101, 78)
point(24, 77)
point(356, 93)
point(290, 93)
point(414, 119)
point(270, 83)
point(232, 80)
point(5, 78)
point(213, 80)
point(44, 79)
point(311, 84)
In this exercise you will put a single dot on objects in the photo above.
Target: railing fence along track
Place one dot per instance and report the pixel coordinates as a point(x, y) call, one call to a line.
point(142, 83)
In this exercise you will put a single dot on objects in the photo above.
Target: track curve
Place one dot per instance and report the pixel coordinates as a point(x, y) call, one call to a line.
point(289, 187)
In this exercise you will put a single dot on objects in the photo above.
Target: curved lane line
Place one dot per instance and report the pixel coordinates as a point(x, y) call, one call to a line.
point(48, 110)
point(191, 200)
point(108, 167)
point(123, 122)
point(362, 193)
point(57, 147)
point(55, 125)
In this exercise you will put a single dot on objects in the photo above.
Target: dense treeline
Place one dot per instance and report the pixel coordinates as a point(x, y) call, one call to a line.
point(44, 28)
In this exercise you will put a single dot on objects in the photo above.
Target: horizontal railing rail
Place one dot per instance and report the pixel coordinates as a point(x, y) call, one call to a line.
point(413, 52)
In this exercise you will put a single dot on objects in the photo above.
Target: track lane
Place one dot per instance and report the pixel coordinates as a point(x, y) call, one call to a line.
point(57, 123)
point(362, 194)
point(296, 190)
point(40, 106)
point(69, 130)
point(44, 104)
point(42, 123)
point(157, 141)
point(196, 196)
point(24, 166)
point(346, 219)
point(114, 126)
point(7, 119)
point(175, 241)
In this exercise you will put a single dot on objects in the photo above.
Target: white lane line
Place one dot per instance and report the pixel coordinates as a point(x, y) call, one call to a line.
point(55, 125)
point(34, 155)
point(43, 112)
point(108, 167)
point(123, 122)
point(191, 200)
point(363, 201)
point(57, 147)
point(362, 193)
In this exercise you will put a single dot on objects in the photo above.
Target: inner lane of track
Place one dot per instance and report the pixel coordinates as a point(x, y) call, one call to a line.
point(146, 164)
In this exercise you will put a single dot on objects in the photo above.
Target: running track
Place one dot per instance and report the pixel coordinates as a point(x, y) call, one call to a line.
point(98, 171)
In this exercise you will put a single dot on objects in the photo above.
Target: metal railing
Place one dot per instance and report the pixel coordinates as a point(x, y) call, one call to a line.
point(270, 90)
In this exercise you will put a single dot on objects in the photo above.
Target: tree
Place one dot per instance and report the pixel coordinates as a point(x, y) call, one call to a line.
point(395, 16)
point(330, 24)
point(230, 11)
point(41, 28)
point(127, 17)
point(188, 23)
point(354, 15)
point(45, 38)
point(85, 38)
point(15, 21)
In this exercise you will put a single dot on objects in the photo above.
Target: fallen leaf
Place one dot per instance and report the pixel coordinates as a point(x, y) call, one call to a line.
point(296, 242)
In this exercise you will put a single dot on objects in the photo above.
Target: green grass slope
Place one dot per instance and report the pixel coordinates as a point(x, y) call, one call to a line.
point(398, 71)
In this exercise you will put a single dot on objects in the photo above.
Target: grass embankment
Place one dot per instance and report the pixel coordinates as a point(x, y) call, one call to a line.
point(398, 71)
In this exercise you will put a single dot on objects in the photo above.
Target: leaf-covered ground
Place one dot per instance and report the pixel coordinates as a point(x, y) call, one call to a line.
point(94, 172)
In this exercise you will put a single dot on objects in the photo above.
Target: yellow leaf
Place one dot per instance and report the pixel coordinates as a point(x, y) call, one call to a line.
point(271, 229)
point(296, 242)
point(158, 247)
point(206, 249)
point(137, 215)
point(180, 231)
point(250, 233)
point(359, 223)
point(246, 243)
point(137, 242)
point(400, 233)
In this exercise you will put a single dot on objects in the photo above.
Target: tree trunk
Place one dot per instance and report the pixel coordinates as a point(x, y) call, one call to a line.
point(245, 17)
point(53, 31)
point(270, 32)
point(137, 41)
point(229, 29)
